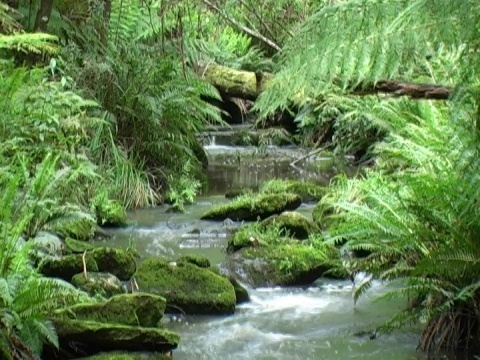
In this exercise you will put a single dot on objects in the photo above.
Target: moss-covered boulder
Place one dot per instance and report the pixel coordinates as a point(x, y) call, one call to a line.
point(200, 261)
point(307, 191)
point(91, 337)
point(255, 235)
point(67, 266)
point(77, 247)
point(235, 193)
point(192, 289)
point(99, 284)
point(258, 206)
point(115, 261)
point(283, 265)
point(78, 225)
point(136, 309)
point(110, 213)
point(294, 223)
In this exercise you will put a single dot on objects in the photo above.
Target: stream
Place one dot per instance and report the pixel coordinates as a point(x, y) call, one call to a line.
point(315, 322)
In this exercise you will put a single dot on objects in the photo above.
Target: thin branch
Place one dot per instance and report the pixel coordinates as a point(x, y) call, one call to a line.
point(415, 91)
point(84, 264)
point(242, 27)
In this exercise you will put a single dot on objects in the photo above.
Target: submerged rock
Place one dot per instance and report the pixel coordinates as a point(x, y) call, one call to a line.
point(118, 262)
point(187, 287)
point(78, 225)
point(98, 284)
point(67, 266)
point(294, 223)
point(136, 309)
point(259, 206)
point(90, 337)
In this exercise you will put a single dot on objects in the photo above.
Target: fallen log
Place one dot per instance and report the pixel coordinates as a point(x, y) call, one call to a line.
point(249, 85)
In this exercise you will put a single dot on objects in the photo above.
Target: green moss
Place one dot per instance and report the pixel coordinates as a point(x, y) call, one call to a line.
point(105, 336)
point(194, 290)
point(233, 194)
point(321, 215)
point(128, 309)
point(254, 235)
point(67, 266)
point(110, 213)
point(77, 247)
point(253, 207)
point(293, 223)
point(78, 225)
point(307, 191)
point(118, 262)
point(98, 284)
point(200, 261)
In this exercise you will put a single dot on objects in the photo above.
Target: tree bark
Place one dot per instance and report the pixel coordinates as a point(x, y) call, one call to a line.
point(249, 85)
point(43, 15)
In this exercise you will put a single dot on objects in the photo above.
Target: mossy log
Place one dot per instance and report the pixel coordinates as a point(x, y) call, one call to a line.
point(248, 85)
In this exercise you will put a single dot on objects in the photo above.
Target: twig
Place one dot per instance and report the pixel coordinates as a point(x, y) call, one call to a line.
point(84, 264)
point(307, 156)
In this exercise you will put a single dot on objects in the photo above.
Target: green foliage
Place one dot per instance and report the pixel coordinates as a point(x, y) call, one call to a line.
point(416, 216)
point(184, 189)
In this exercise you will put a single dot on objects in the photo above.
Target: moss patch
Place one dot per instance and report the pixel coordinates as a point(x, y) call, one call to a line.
point(118, 262)
point(95, 337)
point(98, 284)
point(253, 207)
point(200, 261)
point(307, 191)
point(128, 309)
point(254, 235)
point(67, 266)
point(293, 223)
point(192, 289)
point(77, 247)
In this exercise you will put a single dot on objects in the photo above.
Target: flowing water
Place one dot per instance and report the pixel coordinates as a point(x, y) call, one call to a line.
point(316, 322)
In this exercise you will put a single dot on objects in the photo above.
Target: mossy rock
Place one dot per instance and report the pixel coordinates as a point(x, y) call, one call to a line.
point(118, 355)
point(258, 206)
point(255, 235)
point(136, 309)
point(241, 294)
point(78, 225)
point(188, 287)
point(199, 261)
point(67, 266)
point(297, 225)
point(307, 191)
point(110, 213)
point(77, 247)
point(283, 265)
point(235, 193)
point(91, 337)
point(98, 284)
point(115, 261)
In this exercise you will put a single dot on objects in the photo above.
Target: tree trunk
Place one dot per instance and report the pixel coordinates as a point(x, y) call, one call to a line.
point(43, 15)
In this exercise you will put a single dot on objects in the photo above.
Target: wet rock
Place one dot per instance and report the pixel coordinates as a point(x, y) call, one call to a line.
point(199, 261)
point(283, 265)
point(80, 337)
point(77, 247)
point(259, 206)
point(78, 225)
point(115, 261)
point(110, 213)
point(136, 309)
point(307, 191)
point(67, 266)
point(187, 287)
point(98, 284)
point(294, 223)
point(241, 294)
